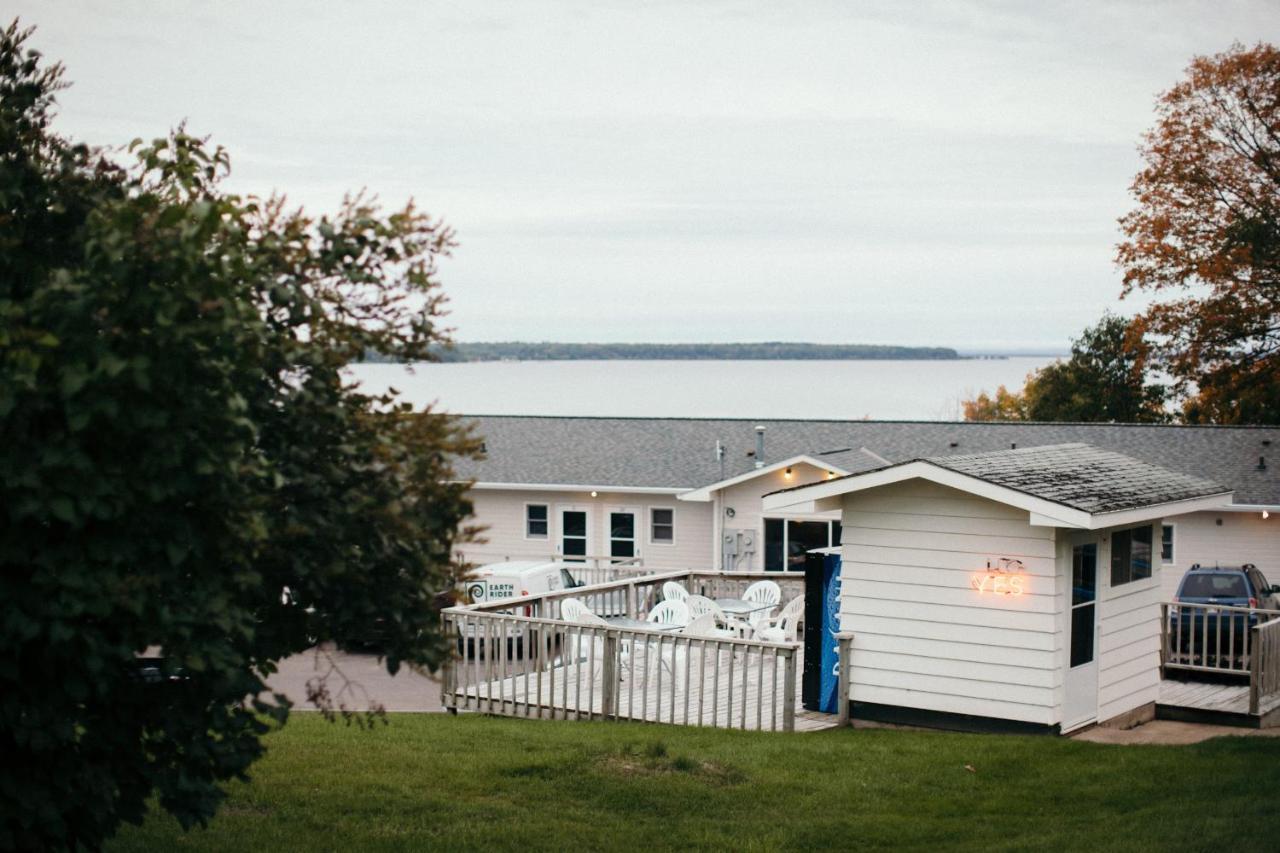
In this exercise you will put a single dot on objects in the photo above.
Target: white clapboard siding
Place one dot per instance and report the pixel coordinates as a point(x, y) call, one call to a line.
point(909, 629)
point(989, 706)
point(902, 555)
point(1129, 638)
point(951, 649)
point(924, 637)
point(969, 595)
point(975, 543)
point(987, 669)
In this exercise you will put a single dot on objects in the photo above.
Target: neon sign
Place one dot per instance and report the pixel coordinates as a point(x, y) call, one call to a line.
point(1003, 576)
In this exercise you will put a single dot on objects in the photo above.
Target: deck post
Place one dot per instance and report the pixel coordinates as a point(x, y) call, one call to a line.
point(609, 677)
point(845, 653)
point(447, 679)
point(1255, 670)
point(788, 692)
point(1164, 636)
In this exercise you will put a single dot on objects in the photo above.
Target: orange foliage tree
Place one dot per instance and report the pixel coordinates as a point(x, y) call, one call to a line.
point(1204, 239)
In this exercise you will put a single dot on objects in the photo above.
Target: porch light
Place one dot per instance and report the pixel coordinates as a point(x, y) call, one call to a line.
point(788, 473)
point(1266, 514)
point(594, 493)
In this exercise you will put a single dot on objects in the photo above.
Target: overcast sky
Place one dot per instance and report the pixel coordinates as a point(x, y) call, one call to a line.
point(941, 173)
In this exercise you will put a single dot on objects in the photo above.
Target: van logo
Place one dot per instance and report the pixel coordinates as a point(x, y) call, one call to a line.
point(476, 591)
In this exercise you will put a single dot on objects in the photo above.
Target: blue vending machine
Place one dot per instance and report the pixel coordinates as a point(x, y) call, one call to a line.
point(819, 681)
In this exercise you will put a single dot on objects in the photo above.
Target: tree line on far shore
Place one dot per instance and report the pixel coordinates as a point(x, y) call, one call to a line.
point(763, 351)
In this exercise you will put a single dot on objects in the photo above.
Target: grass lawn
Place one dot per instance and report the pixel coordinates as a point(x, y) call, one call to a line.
point(471, 782)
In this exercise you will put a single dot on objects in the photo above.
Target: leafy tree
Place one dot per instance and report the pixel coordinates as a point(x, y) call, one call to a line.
point(1104, 380)
point(1205, 236)
point(179, 447)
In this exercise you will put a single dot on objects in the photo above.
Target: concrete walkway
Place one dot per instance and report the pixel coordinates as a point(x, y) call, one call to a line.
point(357, 680)
point(1169, 733)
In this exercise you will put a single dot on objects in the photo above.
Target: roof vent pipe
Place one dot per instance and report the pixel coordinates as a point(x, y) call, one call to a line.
point(759, 446)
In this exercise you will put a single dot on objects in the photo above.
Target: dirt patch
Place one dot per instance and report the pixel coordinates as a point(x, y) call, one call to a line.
point(653, 760)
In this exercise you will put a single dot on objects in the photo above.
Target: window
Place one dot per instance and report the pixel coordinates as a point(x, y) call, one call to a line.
point(662, 527)
point(1166, 543)
point(787, 541)
point(535, 521)
point(1130, 555)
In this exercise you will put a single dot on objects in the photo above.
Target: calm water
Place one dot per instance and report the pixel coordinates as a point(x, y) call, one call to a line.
point(844, 390)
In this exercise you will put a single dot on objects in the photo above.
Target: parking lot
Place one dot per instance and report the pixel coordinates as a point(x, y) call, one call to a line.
point(357, 681)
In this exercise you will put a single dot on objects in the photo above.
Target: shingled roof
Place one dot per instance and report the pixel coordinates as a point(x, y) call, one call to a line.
point(679, 453)
point(1081, 477)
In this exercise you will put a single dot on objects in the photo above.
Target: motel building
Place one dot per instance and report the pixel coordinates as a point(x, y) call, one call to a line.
point(1017, 589)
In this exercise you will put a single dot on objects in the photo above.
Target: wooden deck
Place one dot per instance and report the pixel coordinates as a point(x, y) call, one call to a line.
point(700, 685)
point(1227, 701)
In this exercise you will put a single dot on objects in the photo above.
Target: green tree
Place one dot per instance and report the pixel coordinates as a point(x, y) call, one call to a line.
point(1204, 238)
point(179, 447)
point(1104, 380)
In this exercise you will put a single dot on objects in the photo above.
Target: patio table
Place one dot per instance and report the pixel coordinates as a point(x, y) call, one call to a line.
point(741, 607)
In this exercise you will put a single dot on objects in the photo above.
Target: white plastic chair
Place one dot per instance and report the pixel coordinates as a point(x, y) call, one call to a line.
point(672, 591)
point(783, 627)
point(700, 605)
point(669, 613)
point(704, 625)
point(572, 608)
point(762, 592)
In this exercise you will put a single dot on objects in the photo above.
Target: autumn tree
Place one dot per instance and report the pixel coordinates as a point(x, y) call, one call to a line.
point(1105, 379)
point(1204, 239)
point(185, 471)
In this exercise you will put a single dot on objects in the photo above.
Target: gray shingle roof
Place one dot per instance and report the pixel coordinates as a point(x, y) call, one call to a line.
point(1081, 477)
point(680, 452)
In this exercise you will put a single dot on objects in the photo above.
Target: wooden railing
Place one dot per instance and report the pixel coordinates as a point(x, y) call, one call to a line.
point(1215, 638)
point(518, 658)
point(1264, 671)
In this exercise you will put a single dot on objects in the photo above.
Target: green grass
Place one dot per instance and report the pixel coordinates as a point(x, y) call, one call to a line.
point(470, 782)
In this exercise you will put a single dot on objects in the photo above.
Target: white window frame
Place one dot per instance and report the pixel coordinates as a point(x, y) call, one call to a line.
point(1173, 544)
point(662, 542)
point(546, 537)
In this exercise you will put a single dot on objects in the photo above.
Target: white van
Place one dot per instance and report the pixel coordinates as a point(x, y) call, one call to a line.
point(514, 579)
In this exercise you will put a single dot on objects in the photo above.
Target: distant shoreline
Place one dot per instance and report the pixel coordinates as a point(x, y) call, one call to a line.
point(768, 351)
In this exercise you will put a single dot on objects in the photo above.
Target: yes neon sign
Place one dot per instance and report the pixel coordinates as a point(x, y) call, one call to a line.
point(1003, 576)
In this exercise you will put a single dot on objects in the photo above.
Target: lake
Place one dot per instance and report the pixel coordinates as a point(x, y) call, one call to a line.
point(841, 390)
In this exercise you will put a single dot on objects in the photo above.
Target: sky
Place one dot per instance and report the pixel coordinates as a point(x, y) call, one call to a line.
point(931, 173)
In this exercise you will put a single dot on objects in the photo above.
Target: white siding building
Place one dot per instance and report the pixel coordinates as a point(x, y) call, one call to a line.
point(1020, 586)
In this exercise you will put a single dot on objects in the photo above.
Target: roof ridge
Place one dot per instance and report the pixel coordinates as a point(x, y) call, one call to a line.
point(853, 421)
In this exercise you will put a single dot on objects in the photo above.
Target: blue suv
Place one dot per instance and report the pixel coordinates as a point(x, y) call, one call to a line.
point(1209, 636)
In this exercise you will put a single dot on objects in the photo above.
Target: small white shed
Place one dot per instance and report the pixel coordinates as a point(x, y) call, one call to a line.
point(1016, 590)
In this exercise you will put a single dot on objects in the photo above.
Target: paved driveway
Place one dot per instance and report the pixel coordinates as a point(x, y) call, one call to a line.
point(364, 678)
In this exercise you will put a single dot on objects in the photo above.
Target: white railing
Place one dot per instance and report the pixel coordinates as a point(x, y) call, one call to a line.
point(1216, 638)
point(517, 658)
point(1264, 672)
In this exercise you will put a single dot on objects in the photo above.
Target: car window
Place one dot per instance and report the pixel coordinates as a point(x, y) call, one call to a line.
point(1215, 586)
point(1260, 581)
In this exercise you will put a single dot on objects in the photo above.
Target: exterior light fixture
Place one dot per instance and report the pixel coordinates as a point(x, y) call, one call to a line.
point(1266, 514)
point(788, 473)
point(594, 493)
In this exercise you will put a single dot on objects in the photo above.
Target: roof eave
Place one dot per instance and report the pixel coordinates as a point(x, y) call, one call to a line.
point(705, 493)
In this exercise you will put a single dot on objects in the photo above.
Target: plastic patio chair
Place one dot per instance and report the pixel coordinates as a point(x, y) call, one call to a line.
point(762, 592)
point(704, 625)
point(783, 627)
point(672, 591)
point(700, 605)
point(669, 613)
point(572, 608)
